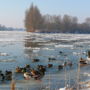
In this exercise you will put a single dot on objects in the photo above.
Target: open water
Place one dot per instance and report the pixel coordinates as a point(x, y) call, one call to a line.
point(18, 48)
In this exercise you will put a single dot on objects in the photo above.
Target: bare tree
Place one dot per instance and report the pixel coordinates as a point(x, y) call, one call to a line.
point(87, 21)
point(33, 19)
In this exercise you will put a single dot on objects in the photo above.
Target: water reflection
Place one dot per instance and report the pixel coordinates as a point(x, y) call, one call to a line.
point(30, 43)
point(31, 48)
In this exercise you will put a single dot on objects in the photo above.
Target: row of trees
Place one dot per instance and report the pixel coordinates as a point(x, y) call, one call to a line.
point(36, 22)
point(4, 28)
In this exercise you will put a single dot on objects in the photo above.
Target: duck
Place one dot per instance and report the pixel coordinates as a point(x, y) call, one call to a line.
point(88, 56)
point(20, 70)
point(27, 76)
point(83, 62)
point(35, 74)
point(50, 65)
point(60, 67)
point(27, 68)
point(65, 64)
point(41, 69)
point(35, 60)
point(8, 75)
point(51, 59)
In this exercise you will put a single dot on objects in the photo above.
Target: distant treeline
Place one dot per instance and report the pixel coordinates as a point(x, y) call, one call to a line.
point(4, 28)
point(36, 22)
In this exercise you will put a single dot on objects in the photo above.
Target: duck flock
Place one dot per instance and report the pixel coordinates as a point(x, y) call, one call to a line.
point(36, 73)
point(39, 71)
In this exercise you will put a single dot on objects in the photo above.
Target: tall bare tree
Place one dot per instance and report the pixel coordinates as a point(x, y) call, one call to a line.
point(33, 19)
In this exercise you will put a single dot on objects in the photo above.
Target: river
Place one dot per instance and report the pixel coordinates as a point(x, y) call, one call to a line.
point(18, 48)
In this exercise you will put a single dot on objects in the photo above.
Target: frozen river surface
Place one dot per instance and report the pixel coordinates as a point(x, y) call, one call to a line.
point(19, 48)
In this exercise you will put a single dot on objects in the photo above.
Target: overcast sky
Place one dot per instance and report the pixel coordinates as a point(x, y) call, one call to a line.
point(12, 12)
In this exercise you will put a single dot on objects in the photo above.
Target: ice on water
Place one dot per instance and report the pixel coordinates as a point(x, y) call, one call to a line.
point(18, 48)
